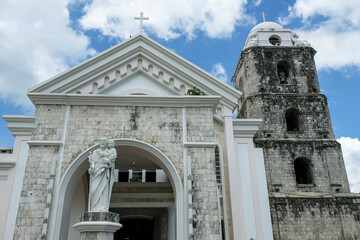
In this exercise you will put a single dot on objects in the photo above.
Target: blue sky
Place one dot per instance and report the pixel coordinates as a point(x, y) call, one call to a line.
point(40, 38)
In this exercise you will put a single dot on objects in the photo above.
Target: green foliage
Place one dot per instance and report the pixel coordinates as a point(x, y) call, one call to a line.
point(286, 136)
point(195, 91)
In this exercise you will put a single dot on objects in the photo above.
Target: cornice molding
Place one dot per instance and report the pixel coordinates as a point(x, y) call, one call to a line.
point(20, 124)
point(132, 100)
point(245, 128)
point(6, 165)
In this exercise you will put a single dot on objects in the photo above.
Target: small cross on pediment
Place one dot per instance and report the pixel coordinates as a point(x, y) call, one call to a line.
point(141, 18)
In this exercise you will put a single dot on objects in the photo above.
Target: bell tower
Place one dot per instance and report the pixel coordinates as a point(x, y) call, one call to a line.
point(277, 75)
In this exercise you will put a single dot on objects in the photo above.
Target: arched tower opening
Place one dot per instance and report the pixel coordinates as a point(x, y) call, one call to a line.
point(284, 72)
point(303, 171)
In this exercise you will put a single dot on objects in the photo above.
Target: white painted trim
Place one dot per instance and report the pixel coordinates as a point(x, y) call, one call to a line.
point(17, 187)
point(245, 128)
point(236, 200)
point(200, 144)
point(132, 100)
point(20, 124)
point(45, 143)
point(247, 207)
point(185, 176)
point(97, 226)
point(56, 170)
point(77, 168)
point(263, 195)
point(6, 165)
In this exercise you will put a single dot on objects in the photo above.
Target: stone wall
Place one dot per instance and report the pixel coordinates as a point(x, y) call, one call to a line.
point(328, 167)
point(160, 127)
point(257, 70)
point(296, 125)
point(35, 191)
point(205, 207)
point(322, 218)
point(314, 117)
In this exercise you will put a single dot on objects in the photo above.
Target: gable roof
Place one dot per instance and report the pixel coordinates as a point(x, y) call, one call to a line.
point(169, 72)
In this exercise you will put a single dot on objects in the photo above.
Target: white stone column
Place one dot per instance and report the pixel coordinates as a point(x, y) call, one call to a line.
point(171, 223)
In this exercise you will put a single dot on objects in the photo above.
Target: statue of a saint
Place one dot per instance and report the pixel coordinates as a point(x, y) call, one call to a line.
point(102, 164)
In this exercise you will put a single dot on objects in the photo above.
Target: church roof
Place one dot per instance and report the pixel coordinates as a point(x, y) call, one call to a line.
point(138, 67)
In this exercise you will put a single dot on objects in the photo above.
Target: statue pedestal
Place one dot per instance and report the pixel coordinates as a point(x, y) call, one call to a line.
point(98, 225)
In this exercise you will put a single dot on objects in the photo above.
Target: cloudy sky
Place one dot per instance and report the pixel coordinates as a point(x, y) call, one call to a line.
point(41, 38)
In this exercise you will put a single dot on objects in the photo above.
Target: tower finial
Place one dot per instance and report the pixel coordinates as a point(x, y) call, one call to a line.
point(263, 15)
point(141, 18)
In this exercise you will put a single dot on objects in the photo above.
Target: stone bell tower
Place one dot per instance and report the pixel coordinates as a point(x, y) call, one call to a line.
point(277, 75)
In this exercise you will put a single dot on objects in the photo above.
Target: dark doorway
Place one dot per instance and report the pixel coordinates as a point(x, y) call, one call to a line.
point(136, 229)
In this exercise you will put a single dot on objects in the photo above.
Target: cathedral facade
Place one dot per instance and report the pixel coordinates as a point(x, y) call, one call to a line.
point(185, 167)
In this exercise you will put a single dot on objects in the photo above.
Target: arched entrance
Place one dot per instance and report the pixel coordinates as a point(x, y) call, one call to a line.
point(60, 213)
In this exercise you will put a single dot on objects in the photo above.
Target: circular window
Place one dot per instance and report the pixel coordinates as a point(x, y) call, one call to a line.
point(275, 40)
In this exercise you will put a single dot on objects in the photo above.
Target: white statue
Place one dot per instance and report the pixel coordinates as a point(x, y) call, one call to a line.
point(102, 164)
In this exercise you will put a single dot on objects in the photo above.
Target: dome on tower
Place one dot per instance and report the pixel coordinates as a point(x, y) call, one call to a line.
point(272, 34)
point(267, 25)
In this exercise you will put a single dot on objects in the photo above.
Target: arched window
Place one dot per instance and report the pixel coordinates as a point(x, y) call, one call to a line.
point(292, 117)
point(283, 71)
point(303, 171)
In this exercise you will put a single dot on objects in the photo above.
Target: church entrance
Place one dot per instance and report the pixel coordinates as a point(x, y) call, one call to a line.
point(142, 223)
point(147, 193)
point(136, 229)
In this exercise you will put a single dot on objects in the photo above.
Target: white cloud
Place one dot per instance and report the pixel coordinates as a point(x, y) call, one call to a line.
point(332, 27)
point(257, 2)
point(218, 71)
point(168, 19)
point(35, 44)
point(351, 152)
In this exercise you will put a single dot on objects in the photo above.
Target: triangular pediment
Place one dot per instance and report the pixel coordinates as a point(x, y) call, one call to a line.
point(137, 66)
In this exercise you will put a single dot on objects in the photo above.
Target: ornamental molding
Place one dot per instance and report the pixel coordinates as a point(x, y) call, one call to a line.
point(245, 128)
point(6, 165)
point(137, 55)
point(20, 124)
point(132, 100)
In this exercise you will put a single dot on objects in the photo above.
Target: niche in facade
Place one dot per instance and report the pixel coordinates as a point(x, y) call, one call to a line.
point(275, 40)
point(303, 171)
point(292, 117)
point(283, 72)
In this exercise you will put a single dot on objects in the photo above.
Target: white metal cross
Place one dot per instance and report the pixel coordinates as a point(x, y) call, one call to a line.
point(263, 15)
point(141, 18)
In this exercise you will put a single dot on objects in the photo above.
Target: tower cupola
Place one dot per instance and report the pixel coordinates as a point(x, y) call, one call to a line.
point(273, 34)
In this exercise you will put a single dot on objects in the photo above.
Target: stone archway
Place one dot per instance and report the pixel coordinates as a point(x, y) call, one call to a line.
point(60, 211)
